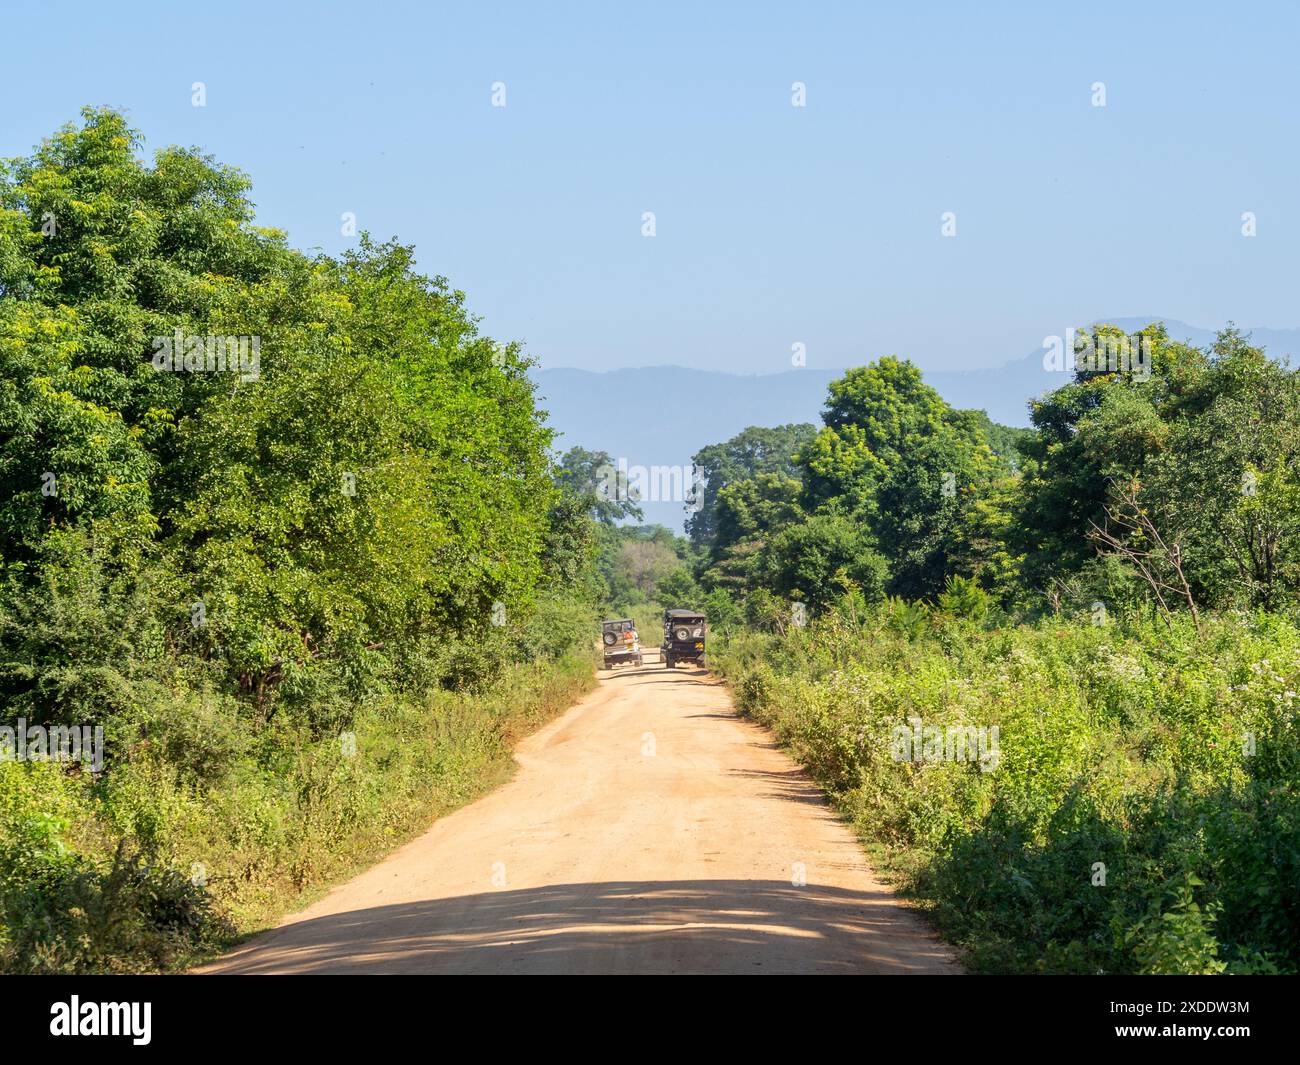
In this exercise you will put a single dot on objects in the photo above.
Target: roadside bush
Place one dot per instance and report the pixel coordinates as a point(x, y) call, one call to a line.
point(97, 874)
point(279, 591)
point(1143, 814)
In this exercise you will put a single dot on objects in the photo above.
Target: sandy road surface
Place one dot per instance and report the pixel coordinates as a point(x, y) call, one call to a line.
point(648, 830)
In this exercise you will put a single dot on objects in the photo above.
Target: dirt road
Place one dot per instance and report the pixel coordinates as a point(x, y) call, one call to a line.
point(648, 830)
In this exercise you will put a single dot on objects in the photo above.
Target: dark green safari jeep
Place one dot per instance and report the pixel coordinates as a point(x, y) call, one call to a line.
point(684, 637)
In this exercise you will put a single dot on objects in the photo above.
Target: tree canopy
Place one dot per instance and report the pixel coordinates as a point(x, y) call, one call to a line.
point(370, 469)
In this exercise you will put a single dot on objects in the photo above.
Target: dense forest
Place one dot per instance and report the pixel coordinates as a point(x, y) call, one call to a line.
point(1162, 492)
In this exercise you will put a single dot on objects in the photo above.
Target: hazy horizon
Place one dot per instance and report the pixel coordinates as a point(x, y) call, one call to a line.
point(1271, 337)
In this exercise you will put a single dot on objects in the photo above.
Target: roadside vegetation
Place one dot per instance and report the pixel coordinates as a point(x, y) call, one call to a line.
point(309, 595)
point(1136, 812)
point(1108, 599)
point(1050, 674)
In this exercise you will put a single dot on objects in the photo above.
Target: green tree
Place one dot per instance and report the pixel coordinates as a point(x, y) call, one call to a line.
point(874, 417)
point(817, 560)
point(1097, 430)
point(1185, 476)
point(593, 477)
point(749, 512)
point(905, 465)
point(1223, 491)
point(378, 473)
point(746, 455)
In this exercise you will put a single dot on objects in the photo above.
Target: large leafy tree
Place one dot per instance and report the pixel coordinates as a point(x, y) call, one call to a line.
point(904, 464)
point(754, 508)
point(745, 456)
point(874, 418)
point(592, 477)
point(749, 513)
point(99, 255)
point(922, 502)
point(382, 476)
point(1215, 511)
point(818, 559)
point(1187, 475)
point(1089, 434)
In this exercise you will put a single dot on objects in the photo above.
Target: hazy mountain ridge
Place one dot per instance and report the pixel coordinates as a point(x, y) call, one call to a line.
point(662, 415)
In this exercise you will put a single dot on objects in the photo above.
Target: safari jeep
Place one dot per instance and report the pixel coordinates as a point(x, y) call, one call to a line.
point(684, 632)
point(620, 642)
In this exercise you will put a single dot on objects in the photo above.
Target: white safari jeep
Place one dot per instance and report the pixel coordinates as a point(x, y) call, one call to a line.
point(622, 645)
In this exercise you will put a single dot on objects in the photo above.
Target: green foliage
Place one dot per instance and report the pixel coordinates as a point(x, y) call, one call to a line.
point(748, 513)
point(818, 559)
point(1194, 469)
point(918, 508)
point(1170, 483)
point(964, 598)
point(1227, 482)
point(874, 417)
point(228, 567)
point(642, 564)
point(745, 457)
point(592, 477)
point(1168, 757)
point(755, 508)
point(1180, 940)
point(907, 619)
point(384, 473)
point(916, 478)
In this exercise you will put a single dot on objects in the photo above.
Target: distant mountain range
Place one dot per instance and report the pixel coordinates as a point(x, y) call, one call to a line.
point(662, 415)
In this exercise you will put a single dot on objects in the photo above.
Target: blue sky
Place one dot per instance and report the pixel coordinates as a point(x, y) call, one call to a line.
point(775, 224)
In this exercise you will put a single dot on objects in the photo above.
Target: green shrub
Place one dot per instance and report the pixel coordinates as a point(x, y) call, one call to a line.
point(1144, 811)
point(310, 608)
point(964, 598)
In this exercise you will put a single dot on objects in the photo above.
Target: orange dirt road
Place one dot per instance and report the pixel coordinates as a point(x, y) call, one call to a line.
point(648, 830)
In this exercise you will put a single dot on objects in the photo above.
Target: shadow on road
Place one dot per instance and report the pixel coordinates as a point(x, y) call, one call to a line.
point(790, 785)
point(654, 675)
point(703, 926)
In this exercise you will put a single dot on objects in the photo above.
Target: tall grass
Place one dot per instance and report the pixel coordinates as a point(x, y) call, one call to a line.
point(184, 845)
point(1142, 814)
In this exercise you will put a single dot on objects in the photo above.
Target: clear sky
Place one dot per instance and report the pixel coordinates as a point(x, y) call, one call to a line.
point(774, 224)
